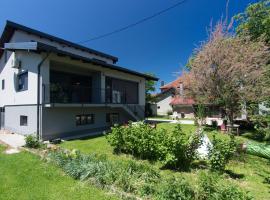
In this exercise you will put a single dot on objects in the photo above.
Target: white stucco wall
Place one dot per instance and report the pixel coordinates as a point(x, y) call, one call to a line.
point(163, 106)
point(10, 95)
point(12, 119)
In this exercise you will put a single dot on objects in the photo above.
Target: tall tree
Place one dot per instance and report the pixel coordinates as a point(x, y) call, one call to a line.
point(255, 21)
point(227, 70)
point(150, 86)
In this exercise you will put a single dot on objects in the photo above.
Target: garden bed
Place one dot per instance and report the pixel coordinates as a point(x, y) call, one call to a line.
point(249, 172)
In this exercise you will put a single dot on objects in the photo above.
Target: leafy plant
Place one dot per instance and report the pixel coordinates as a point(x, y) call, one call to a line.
point(213, 187)
point(174, 189)
point(175, 149)
point(133, 180)
point(31, 141)
point(221, 152)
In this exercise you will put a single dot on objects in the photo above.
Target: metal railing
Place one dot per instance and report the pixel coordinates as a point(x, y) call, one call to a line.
point(55, 93)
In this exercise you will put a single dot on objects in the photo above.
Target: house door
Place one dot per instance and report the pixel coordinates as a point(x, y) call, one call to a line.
point(2, 118)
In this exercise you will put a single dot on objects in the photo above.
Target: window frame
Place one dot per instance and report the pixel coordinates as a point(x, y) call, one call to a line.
point(82, 119)
point(23, 120)
point(25, 81)
point(3, 84)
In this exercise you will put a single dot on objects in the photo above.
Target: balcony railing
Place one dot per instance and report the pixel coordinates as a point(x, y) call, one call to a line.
point(54, 93)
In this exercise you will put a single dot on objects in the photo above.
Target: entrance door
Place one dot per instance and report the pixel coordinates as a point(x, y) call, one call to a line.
point(2, 118)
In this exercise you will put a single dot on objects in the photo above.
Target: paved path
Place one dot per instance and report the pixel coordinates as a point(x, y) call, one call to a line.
point(171, 121)
point(14, 141)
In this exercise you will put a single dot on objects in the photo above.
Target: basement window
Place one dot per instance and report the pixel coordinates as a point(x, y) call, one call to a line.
point(23, 120)
point(85, 119)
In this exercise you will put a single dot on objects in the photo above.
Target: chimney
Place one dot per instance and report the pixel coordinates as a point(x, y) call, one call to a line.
point(162, 83)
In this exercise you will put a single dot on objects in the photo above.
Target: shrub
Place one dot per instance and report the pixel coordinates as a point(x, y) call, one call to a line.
point(208, 185)
point(131, 179)
point(262, 128)
point(174, 189)
point(180, 148)
point(175, 149)
point(221, 152)
point(31, 141)
point(213, 187)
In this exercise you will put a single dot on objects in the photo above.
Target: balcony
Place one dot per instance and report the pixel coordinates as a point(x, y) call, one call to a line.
point(76, 94)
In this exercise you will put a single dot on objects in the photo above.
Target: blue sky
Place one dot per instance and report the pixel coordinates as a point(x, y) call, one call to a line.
point(160, 46)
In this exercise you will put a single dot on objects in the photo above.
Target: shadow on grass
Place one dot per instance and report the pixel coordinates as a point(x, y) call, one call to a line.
point(234, 175)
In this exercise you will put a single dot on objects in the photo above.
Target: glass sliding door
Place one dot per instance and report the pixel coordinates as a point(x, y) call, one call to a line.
point(121, 91)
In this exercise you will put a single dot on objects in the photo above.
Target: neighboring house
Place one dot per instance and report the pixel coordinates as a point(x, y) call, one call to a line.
point(57, 88)
point(173, 99)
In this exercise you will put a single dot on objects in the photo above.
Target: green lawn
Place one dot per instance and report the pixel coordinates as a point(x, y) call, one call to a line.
point(167, 117)
point(247, 171)
point(24, 176)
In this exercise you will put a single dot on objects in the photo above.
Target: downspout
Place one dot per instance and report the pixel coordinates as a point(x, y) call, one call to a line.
point(38, 95)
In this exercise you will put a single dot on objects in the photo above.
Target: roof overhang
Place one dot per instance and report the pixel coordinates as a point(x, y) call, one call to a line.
point(12, 26)
point(40, 47)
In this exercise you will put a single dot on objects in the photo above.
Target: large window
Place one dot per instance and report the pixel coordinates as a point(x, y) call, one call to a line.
point(23, 120)
point(121, 91)
point(85, 119)
point(70, 88)
point(23, 81)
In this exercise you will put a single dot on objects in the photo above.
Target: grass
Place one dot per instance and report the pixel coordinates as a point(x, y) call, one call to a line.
point(24, 176)
point(162, 117)
point(247, 171)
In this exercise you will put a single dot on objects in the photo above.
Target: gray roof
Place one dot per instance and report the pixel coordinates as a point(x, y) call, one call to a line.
point(41, 47)
point(12, 26)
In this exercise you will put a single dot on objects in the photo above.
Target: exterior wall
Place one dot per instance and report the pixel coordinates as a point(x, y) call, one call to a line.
point(12, 119)
point(163, 106)
point(29, 62)
point(187, 110)
point(20, 36)
point(61, 121)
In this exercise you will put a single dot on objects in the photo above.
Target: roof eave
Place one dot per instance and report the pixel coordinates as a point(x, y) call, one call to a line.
point(11, 26)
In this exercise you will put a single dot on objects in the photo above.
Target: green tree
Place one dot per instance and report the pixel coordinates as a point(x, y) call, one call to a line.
point(150, 86)
point(255, 21)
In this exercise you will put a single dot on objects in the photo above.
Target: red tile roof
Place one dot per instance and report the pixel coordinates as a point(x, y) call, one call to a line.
point(177, 100)
point(173, 84)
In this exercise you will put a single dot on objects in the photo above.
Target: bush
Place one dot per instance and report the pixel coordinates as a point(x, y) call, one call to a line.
point(221, 152)
point(131, 180)
point(213, 187)
point(31, 141)
point(262, 128)
point(175, 149)
point(174, 189)
point(179, 148)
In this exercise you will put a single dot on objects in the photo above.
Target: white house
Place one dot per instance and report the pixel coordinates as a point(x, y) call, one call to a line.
point(56, 88)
